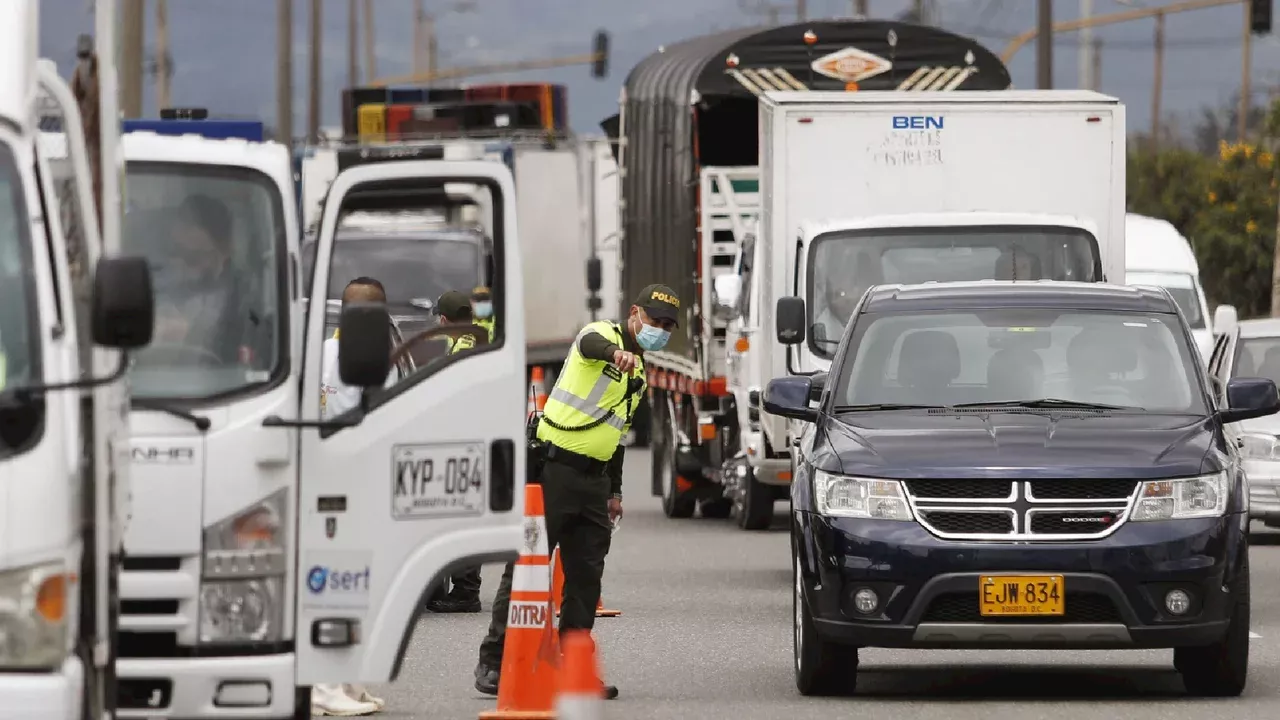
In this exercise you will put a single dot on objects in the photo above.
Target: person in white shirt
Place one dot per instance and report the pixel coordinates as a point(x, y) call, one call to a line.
point(336, 397)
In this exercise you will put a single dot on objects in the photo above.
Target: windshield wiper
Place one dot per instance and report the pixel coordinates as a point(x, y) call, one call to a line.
point(1048, 403)
point(873, 407)
point(200, 421)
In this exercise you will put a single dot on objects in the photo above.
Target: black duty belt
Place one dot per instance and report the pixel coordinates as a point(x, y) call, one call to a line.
point(577, 461)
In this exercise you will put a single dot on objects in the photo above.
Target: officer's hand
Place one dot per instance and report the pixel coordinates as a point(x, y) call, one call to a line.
point(625, 361)
point(615, 509)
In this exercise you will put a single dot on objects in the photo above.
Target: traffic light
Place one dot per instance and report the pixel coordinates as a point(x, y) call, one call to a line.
point(600, 65)
point(1260, 16)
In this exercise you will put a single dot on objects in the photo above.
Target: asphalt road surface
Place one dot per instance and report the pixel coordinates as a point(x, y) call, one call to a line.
point(705, 632)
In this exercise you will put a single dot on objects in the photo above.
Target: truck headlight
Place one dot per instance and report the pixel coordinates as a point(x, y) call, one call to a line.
point(242, 584)
point(1260, 446)
point(843, 496)
point(34, 610)
point(1197, 497)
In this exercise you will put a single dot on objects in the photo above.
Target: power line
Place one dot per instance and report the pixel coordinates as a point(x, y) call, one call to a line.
point(1201, 42)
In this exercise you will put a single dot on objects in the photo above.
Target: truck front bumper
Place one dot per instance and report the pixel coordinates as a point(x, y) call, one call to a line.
point(43, 696)
point(259, 686)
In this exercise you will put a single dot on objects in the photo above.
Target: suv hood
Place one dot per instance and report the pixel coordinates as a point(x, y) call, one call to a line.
point(1020, 444)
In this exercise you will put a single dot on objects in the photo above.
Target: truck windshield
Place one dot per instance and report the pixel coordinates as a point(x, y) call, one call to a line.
point(1018, 355)
point(1181, 286)
point(843, 264)
point(409, 267)
point(19, 331)
point(215, 239)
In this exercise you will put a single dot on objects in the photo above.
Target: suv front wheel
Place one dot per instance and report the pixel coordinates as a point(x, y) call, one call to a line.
point(1220, 669)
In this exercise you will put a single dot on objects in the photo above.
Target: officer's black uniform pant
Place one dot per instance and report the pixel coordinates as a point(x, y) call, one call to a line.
point(577, 507)
point(466, 584)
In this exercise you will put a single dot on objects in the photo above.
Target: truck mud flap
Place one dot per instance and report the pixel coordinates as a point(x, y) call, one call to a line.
point(689, 465)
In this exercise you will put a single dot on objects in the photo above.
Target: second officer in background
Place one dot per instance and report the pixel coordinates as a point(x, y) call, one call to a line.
point(580, 444)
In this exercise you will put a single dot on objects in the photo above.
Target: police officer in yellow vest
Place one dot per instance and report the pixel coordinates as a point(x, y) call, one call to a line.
point(454, 308)
point(482, 309)
point(587, 413)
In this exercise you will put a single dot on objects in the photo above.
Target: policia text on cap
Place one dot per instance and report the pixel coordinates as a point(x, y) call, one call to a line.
point(576, 454)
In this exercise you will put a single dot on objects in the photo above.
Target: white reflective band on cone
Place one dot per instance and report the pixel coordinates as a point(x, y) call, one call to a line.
point(577, 707)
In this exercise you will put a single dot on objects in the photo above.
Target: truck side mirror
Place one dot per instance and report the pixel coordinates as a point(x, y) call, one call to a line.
point(791, 320)
point(123, 309)
point(364, 344)
point(724, 296)
point(1224, 319)
point(595, 276)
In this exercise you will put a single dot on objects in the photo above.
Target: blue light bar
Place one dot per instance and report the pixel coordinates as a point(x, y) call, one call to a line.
point(251, 130)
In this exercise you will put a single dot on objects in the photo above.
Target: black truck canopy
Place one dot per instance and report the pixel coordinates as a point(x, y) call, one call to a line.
point(694, 103)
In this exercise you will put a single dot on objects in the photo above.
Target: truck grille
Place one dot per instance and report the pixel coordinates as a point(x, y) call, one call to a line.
point(982, 509)
point(1088, 608)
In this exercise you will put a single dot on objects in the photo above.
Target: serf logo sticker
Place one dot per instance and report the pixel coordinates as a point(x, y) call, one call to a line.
point(851, 65)
point(337, 580)
point(917, 122)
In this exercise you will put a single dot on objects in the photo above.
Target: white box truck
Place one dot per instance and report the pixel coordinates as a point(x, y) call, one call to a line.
point(867, 188)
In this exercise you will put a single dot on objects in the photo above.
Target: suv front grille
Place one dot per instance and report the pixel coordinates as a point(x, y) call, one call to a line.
point(983, 509)
point(1078, 607)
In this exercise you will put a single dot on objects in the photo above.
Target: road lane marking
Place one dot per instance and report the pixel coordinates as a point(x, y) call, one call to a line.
point(1254, 635)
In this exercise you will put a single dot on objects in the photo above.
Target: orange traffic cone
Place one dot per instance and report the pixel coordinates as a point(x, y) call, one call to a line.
point(557, 591)
point(538, 399)
point(526, 685)
point(580, 694)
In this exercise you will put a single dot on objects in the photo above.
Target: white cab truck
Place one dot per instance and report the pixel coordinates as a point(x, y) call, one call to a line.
point(270, 550)
point(71, 307)
point(859, 189)
point(1157, 254)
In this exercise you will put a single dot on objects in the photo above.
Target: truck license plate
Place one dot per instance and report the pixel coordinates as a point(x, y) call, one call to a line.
point(438, 480)
point(1021, 595)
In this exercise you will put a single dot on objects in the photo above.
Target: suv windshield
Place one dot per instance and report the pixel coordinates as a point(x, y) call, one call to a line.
point(19, 333)
point(842, 265)
point(214, 236)
point(1011, 355)
point(1181, 286)
point(409, 266)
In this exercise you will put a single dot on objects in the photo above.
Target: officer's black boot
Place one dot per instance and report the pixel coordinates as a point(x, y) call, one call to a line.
point(487, 679)
point(455, 603)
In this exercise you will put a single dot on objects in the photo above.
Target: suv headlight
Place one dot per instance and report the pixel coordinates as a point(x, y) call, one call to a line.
point(1260, 446)
point(873, 499)
point(1198, 497)
point(35, 604)
point(242, 587)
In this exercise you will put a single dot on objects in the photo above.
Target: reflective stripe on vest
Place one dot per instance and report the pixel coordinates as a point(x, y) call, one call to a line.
point(487, 324)
point(584, 393)
point(463, 342)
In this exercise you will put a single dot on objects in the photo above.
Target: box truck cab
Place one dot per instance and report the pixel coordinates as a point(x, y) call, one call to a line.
point(1157, 254)
point(247, 499)
point(69, 311)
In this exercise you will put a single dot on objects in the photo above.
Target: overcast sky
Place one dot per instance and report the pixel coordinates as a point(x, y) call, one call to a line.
point(224, 50)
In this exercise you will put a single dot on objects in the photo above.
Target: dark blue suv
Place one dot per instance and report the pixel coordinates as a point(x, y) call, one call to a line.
point(1017, 465)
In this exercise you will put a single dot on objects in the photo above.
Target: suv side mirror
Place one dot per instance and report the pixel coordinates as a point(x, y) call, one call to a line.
point(1249, 398)
point(790, 320)
point(724, 296)
point(364, 345)
point(788, 397)
point(123, 309)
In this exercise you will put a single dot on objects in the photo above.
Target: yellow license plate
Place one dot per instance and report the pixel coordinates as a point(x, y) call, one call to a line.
point(1020, 595)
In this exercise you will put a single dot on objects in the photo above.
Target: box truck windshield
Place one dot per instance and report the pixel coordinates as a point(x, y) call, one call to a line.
point(19, 344)
point(843, 264)
point(216, 240)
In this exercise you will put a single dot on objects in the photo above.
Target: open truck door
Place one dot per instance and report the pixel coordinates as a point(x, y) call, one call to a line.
point(427, 476)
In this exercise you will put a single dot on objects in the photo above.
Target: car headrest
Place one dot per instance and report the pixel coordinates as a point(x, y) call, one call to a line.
point(928, 357)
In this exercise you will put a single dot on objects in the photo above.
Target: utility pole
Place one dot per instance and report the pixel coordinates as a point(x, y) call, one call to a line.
point(163, 78)
point(133, 31)
point(313, 76)
point(1044, 45)
point(370, 51)
point(802, 12)
point(1095, 81)
point(1157, 82)
point(353, 42)
point(1246, 60)
point(1086, 46)
point(419, 37)
point(284, 71)
point(860, 8)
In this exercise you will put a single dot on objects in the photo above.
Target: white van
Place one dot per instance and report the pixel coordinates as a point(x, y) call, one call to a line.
point(1157, 254)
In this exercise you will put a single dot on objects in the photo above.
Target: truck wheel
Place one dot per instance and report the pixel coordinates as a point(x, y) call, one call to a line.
point(1220, 669)
point(754, 505)
point(302, 703)
point(675, 504)
point(822, 668)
